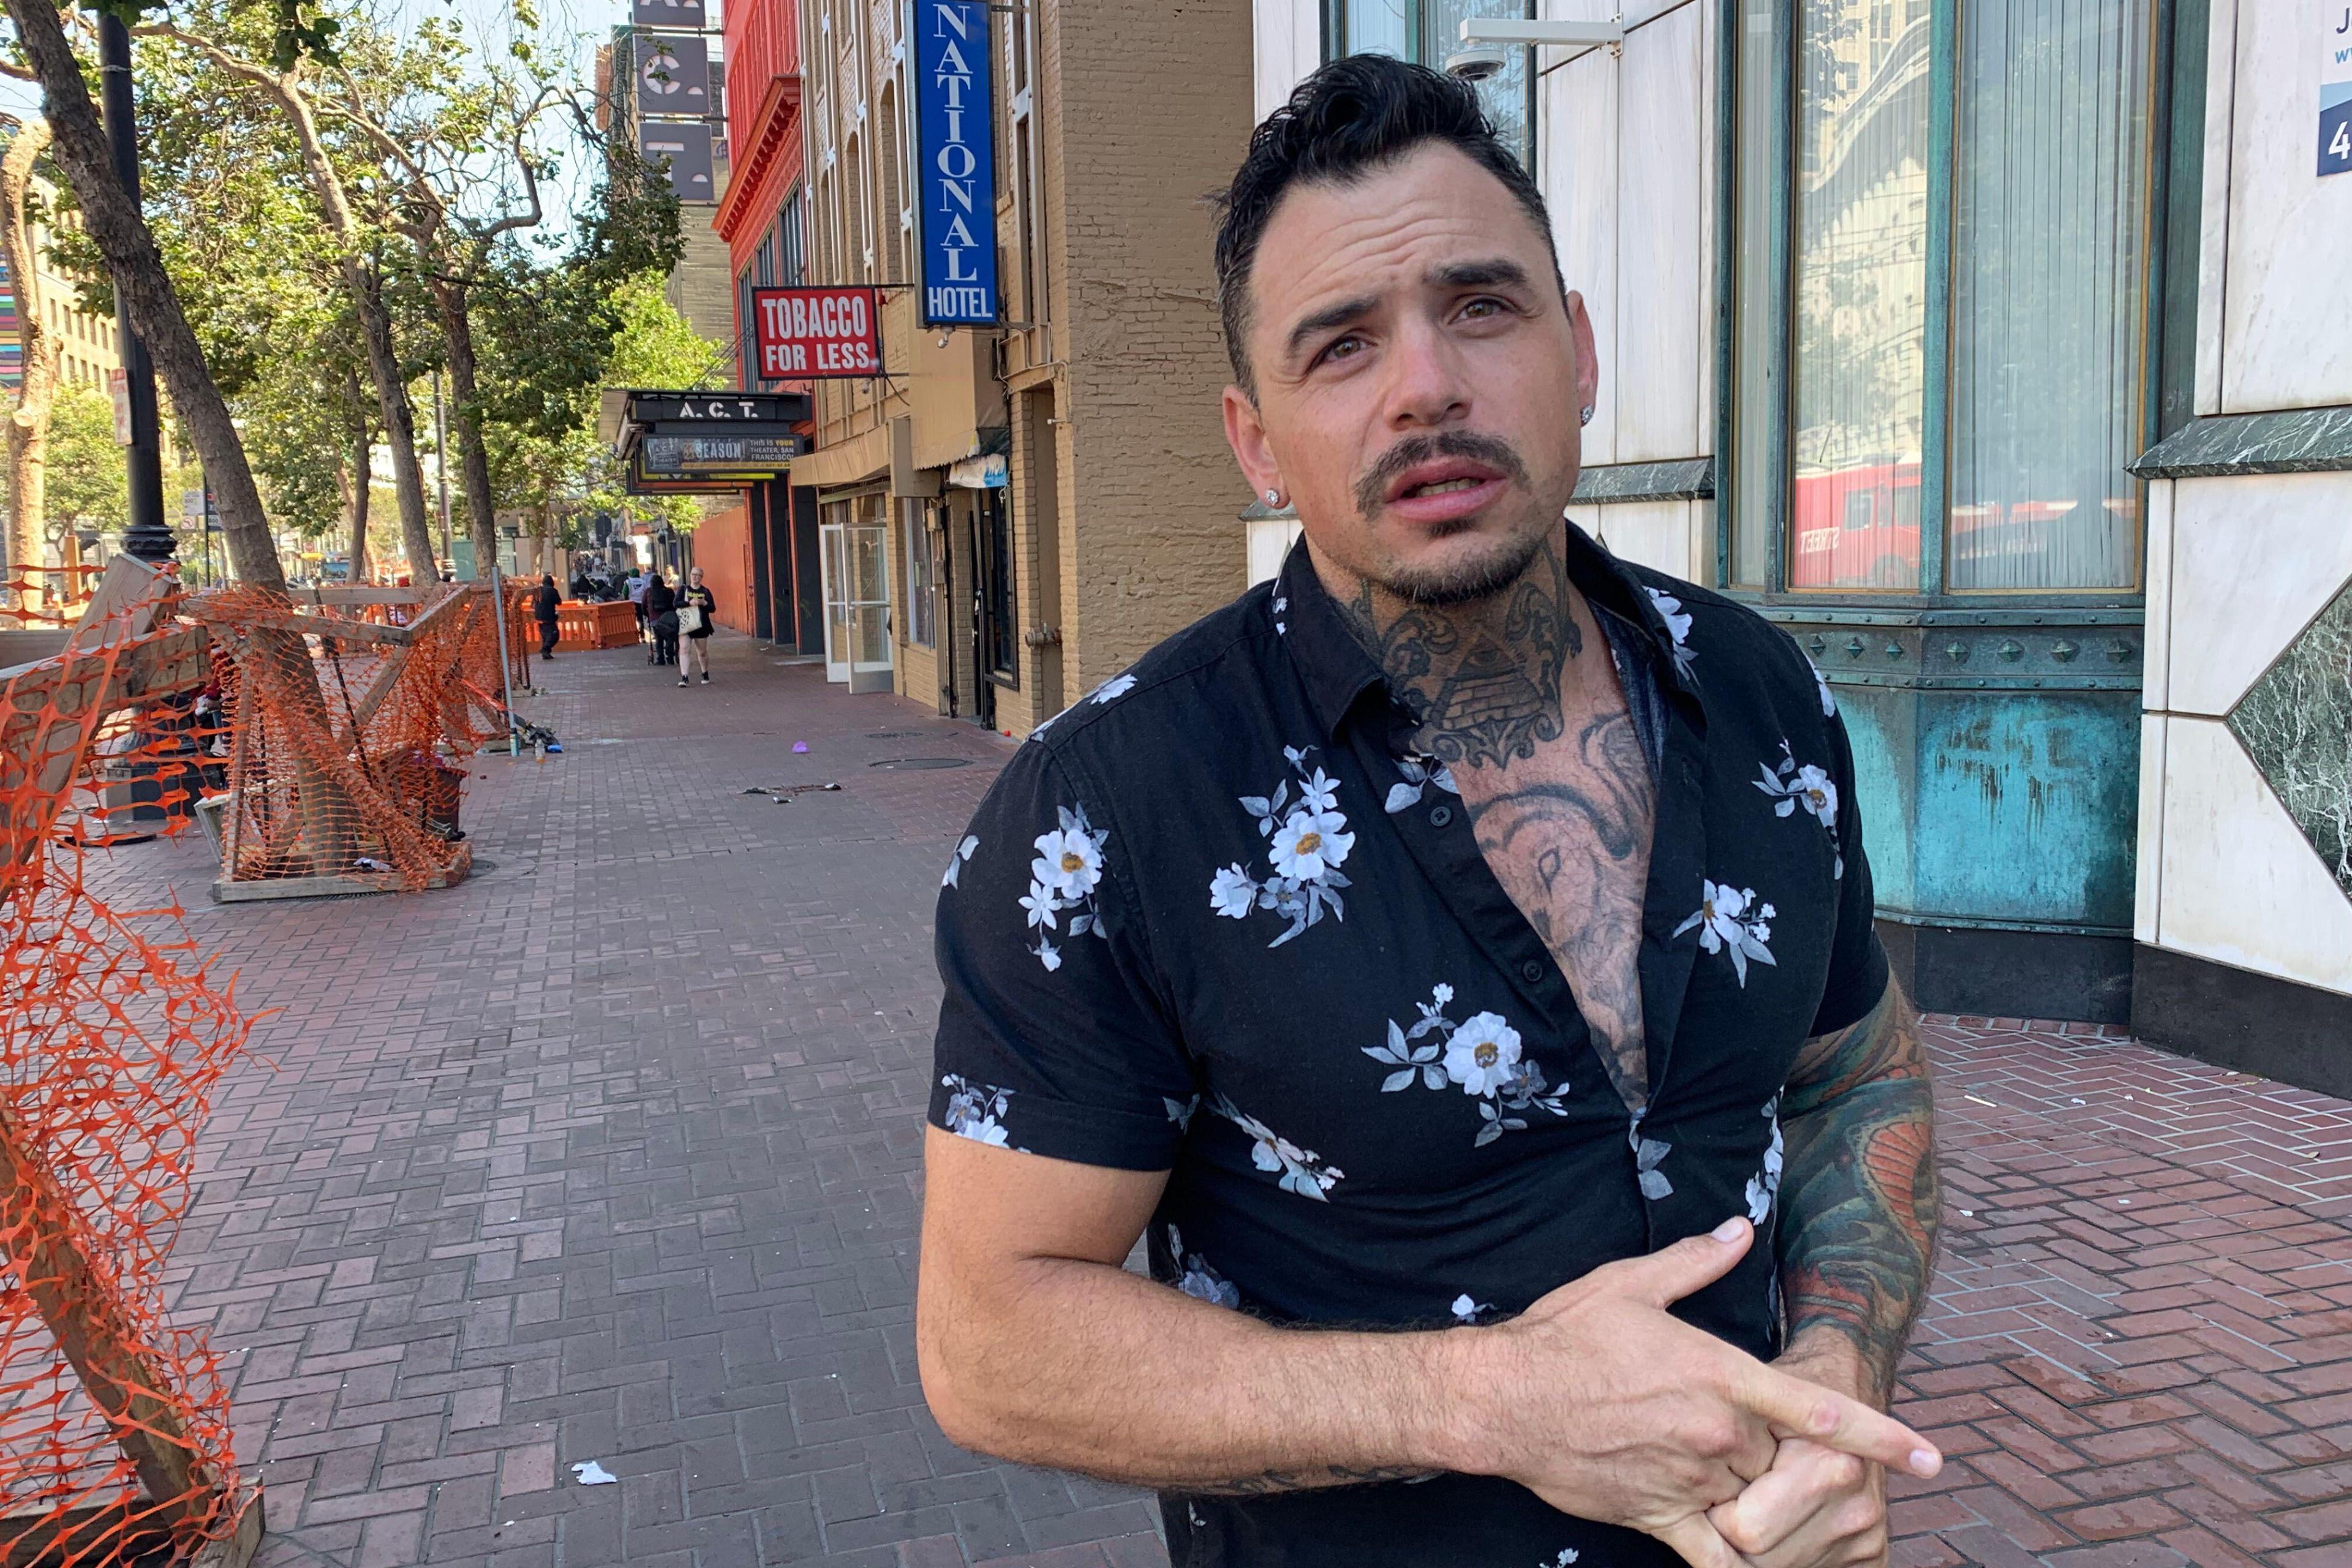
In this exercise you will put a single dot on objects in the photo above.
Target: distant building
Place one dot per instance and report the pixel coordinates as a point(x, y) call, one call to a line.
point(88, 345)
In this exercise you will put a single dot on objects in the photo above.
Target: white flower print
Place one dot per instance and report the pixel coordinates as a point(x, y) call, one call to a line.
point(1678, 626)
point(1037, 730)
point(1482, 1054)
point(1649, 1155)
point(1232, 893)
point(1309, 839)
point(1795, 784)
point(976, 1110)
point(1111, 691)
point(1467, 1311)
point(1302, 1171)
point(1764, 1186)
point(1199, 1280)
point(955, 861)
point(1729, 921)
point(1567, 1555)
point(1180, 1111)
point(1310, 843)
point(1821, 682)
point(1069, 861)
point(1420, 774)
point(1063, 880)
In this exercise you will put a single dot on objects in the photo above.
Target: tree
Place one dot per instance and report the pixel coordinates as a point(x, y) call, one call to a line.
point(291, 88)
point(28, 426)
point(136, 268)
point(88, 483)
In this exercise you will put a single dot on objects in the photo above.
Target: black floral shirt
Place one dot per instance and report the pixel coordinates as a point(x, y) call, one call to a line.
point(1217, 920)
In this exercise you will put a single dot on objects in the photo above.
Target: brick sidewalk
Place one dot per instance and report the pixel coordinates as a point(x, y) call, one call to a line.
point(611, 1154)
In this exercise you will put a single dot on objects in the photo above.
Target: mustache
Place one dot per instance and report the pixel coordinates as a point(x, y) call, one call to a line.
point(1372, 490)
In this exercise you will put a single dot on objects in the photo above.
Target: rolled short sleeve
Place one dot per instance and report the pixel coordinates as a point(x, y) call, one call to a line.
point(1858, 971)
point(1055, 1037)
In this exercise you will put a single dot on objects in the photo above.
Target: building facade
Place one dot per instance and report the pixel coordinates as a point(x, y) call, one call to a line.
point(1957, 339)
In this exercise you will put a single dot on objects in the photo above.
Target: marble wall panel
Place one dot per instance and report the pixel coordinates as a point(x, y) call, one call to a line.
point(2156, 668)
point(1289, 39)
point(2286, 341)
point(1655, 534)
point(2241, 884)
point(2213, 226)
point(2296, 721)
point(2254, 558)
point(2148, 893)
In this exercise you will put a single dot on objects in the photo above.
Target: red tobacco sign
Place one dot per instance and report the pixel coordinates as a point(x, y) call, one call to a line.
point(807, 334)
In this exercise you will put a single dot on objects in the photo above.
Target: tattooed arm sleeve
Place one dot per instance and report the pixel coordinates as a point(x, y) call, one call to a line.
point(1858, 1192)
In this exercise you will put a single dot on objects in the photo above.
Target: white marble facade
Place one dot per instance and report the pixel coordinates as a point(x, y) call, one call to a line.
point(2241, 568)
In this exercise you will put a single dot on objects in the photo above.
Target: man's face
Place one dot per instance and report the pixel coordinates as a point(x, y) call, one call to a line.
point(1419, 377)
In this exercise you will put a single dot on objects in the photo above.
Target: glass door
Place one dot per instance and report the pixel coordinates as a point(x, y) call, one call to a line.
point(833, 558)
point(868, 607)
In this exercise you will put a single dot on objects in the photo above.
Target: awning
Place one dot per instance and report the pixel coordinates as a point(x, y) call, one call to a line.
point(846, 462)
point(987, 472)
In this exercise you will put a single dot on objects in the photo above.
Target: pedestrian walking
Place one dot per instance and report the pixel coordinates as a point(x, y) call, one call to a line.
point(1420, 1175)
point(636, 592)
point(661, 601)
point(696, 605)
point(544, 601)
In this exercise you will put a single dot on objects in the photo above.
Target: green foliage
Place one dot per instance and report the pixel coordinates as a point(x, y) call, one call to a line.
point(87, 484)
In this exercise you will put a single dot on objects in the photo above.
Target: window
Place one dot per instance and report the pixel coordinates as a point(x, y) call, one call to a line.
point(1962, 308)
point(792, 247)
point(1429, 31)
point(890, 222)
point(922, 576)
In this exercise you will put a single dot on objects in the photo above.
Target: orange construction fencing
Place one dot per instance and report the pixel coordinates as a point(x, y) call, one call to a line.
point(114, 1438)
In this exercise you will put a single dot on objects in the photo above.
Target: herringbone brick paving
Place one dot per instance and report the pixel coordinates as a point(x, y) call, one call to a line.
point(611, 1154)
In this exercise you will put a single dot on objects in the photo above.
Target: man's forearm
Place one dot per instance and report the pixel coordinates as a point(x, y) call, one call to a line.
point(1235, 1405)
point(1858, 1192)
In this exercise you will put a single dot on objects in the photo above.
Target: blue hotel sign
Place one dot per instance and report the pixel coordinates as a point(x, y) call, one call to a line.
point(955, 148)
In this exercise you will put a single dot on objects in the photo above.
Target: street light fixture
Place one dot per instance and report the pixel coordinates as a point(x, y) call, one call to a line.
point(1487, 40)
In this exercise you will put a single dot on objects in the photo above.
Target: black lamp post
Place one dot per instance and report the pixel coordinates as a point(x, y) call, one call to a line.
point(147, 537)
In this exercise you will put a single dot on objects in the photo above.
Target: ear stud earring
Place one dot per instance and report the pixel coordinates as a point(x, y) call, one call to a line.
point(1584, 414)
point(1274, 498)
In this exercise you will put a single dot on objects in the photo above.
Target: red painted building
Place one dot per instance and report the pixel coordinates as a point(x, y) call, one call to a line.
point(760, 216)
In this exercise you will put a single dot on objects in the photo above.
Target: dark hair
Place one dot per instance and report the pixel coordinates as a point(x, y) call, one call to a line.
point(1348, 118)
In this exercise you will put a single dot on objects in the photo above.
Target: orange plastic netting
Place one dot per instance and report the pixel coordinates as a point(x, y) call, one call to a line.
point(113, 1424)
point(339, 726)
point(314, 743)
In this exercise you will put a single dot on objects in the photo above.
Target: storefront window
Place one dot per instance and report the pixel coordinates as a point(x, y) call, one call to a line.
point(1860, 288)
point(1429, 31)
point(2050, 263)
point(922, 577)
point(2005, 250)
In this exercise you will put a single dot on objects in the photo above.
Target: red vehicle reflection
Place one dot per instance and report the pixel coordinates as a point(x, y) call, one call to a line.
point(1859, 528)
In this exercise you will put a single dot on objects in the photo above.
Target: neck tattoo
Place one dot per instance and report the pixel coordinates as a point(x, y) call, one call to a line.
point(1482, 680)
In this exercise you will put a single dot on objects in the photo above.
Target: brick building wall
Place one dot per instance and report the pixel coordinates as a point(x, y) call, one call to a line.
point(1143, 109)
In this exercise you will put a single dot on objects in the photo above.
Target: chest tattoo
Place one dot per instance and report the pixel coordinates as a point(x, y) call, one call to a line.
point(1567, 833)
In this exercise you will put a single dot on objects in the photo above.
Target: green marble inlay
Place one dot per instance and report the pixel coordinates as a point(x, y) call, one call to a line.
point(2289, 441)
point(2296, 724)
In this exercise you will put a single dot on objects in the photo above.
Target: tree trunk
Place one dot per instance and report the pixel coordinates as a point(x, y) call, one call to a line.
point(481, 506)
point(399, 414)
point(136, 268)
point(362, 484)
point(28, 426)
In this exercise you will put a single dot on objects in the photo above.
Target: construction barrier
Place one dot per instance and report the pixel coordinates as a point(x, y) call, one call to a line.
point(583, 626)
point(319, 743)
point(114, 1434)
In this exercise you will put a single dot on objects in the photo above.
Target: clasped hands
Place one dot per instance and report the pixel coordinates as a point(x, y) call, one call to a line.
point(1609, 1408)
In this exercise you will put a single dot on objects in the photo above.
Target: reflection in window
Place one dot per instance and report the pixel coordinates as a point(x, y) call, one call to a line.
point(1431, 30)
point(1755, 349)
point(1861, 218)
point(2050, 254)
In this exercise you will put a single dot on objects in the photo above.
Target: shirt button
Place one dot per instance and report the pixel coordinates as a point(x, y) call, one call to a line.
point(1531, 971)
point(1440, 816)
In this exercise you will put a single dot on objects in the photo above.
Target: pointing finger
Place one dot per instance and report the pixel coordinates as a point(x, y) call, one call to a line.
point(1670, 1273)
point(1807, 1410)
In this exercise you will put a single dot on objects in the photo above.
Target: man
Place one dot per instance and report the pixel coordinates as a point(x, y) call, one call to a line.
point(1455, 959)
point(638, 581)
point(544, 604)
